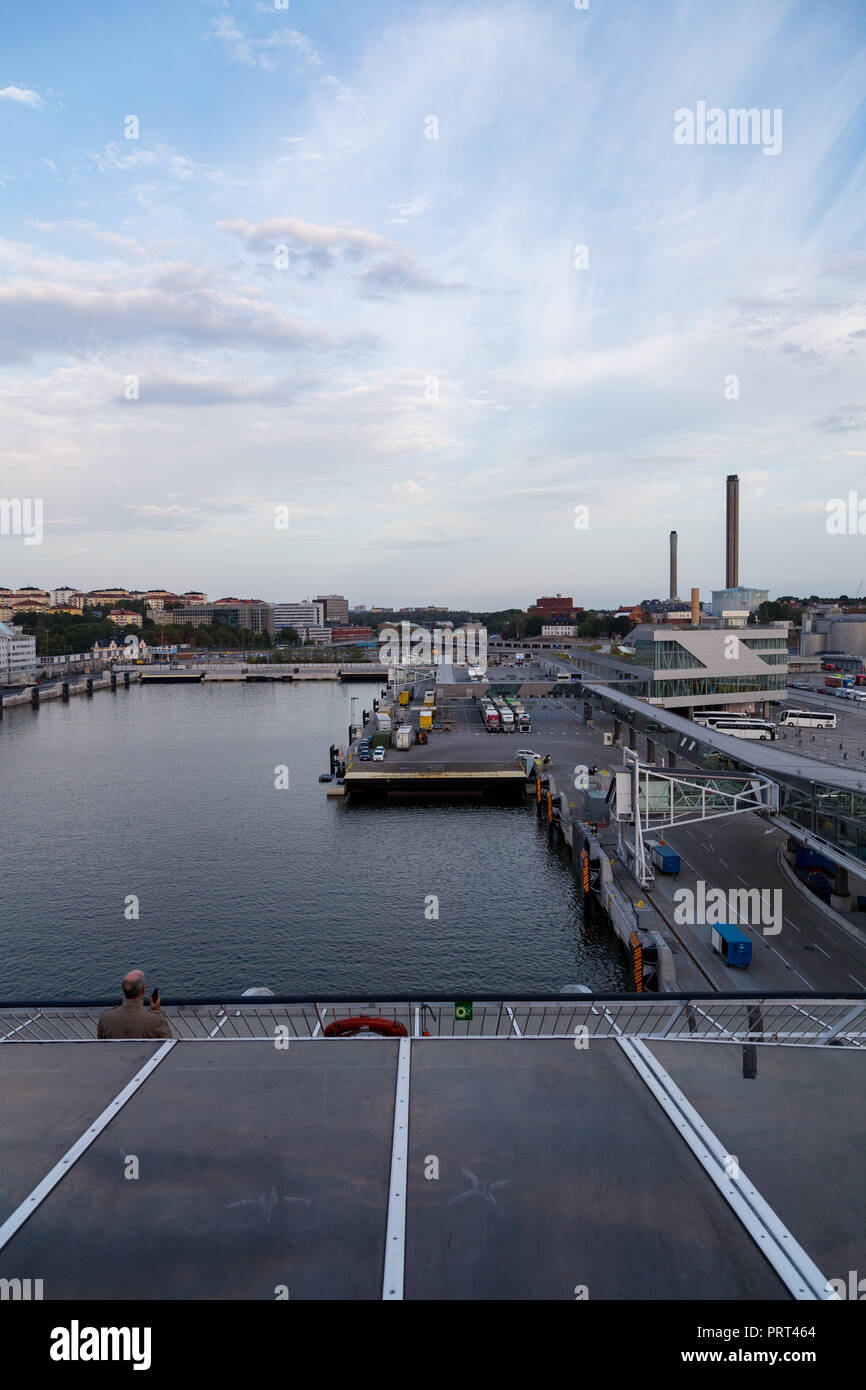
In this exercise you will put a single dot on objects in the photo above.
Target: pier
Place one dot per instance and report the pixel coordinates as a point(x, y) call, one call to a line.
point(581, 726)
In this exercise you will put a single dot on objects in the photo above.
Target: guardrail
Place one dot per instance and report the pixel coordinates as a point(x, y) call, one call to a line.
point(791, 1020)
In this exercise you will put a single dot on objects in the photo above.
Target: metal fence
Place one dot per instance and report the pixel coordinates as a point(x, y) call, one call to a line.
point(802, 1021)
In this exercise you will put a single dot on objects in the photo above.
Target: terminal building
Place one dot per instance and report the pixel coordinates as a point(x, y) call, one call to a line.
point(688, 668)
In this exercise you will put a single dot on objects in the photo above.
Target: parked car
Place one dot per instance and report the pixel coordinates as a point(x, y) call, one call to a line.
point(365, 755)
point(378, 755)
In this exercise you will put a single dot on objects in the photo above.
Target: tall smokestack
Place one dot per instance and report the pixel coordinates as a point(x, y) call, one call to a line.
point(673, 592)
point(732, 533)
point(696, 607)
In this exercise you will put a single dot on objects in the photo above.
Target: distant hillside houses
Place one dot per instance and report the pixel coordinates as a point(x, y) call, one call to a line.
point(128, 648)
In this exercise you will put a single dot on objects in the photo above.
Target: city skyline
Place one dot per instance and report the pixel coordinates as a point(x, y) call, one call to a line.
point(432, 281)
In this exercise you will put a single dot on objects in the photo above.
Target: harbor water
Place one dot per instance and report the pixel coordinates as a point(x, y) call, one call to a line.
point(149, 828)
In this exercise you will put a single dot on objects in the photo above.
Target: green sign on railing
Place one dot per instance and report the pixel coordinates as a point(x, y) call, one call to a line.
point(463, 1010)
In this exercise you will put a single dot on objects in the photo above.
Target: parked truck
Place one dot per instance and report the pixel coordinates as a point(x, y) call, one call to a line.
point(490, 714)
point(506, 719)
point(403, 737)
point(524, 723)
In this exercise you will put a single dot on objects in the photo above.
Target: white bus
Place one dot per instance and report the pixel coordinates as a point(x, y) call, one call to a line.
point(709, 717)
point(807, 719)
point(744, 728)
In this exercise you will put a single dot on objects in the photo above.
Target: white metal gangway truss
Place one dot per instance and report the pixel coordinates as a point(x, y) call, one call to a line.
point(647, 797)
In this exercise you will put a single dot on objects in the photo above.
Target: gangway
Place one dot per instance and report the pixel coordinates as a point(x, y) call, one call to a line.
point(644, 796)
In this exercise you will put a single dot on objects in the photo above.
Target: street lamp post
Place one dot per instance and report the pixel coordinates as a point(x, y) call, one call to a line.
point(352, 718)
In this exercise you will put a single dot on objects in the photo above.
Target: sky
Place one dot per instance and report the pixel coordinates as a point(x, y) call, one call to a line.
point(434, 278)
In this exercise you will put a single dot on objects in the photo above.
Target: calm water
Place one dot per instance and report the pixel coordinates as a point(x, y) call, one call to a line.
point(169, 794)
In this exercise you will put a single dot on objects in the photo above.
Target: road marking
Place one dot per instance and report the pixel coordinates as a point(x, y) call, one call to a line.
point(790, 923)
point(792, 967)
point(856, 981)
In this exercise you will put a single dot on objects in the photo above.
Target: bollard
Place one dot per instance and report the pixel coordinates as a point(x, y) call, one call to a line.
point(90, 685)
point(34, 697)
point(66, 692)
point(549, 809)
point(126, 679)
point(114, 681)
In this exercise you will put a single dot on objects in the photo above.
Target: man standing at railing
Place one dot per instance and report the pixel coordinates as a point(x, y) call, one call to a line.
point(131, 1019)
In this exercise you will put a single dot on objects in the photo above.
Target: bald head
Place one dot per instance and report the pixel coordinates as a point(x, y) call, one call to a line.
point(133, 984)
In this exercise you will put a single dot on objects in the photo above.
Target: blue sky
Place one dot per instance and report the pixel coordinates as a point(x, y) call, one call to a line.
point(422, 373)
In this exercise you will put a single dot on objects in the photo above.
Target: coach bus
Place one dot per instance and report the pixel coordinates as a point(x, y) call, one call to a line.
point(744, 728)
point(807, 719)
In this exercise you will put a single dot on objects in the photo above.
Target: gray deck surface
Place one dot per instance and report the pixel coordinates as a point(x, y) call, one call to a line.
point(798, 1130)
point(48, 1096)
point(601, 1190)
point(217, 1124)
point(557, 1168)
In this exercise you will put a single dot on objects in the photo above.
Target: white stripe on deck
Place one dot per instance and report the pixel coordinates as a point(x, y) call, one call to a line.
point(395, 1235)
point(795, 1268)
point(14, 1222)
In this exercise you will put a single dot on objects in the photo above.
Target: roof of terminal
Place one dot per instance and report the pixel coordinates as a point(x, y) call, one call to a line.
point(763, 757)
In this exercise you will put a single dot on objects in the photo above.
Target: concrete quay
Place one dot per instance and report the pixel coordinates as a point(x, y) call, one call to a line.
point(35, 695)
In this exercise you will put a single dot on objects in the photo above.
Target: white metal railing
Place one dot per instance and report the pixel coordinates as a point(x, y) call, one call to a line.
point(796, 1021)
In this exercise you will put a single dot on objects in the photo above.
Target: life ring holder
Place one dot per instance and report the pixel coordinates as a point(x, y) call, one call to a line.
point(351, 1027)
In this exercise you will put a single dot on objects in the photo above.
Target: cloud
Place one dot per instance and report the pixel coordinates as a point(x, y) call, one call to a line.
point(305, 234)
point(407, 211)
point(850, 417)
point(24, 96)
point(260, 52)
point(398, 275)
point(177, 389)
point(157, 158)
point(37, 316)
point(327, 247)
point(798, 354)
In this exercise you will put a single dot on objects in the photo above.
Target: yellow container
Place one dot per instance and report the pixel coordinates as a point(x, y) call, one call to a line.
point(425, 719)
point(404, 697)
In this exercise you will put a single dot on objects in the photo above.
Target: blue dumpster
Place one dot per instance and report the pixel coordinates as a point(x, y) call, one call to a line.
point(733, 946)
point(665, 859)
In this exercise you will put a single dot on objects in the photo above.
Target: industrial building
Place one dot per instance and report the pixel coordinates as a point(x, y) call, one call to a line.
point(738, 600)
point(829, 631)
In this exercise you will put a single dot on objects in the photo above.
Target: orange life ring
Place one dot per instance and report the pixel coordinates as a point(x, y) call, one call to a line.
point(348, 1027)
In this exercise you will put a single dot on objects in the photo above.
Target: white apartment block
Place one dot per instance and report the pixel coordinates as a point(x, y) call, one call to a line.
point(309, 613)
point(17, 655)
